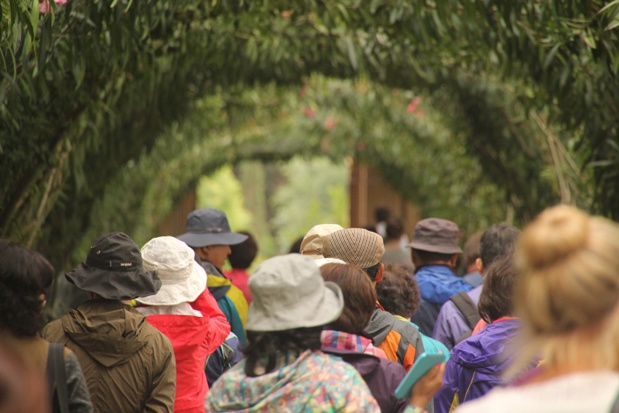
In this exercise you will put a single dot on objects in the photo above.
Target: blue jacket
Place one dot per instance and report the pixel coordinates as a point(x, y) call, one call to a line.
point(437, 283)
point(477, 364)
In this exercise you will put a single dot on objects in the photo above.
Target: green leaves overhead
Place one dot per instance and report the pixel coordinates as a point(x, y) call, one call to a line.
point(524, 92)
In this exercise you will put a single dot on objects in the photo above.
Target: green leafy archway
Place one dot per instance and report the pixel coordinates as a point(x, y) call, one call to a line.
point(89, 93)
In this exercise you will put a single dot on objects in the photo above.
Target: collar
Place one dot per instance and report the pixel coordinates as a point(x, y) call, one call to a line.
point(339, 340)
point(498, 320)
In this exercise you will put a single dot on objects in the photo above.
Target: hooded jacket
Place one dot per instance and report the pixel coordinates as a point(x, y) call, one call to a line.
point(400, 340)
point(477, 364)
point(128, 364)
point(311, 382)
point(437, 283)
point(229, 298)
point(193, 339)
point(382, 376)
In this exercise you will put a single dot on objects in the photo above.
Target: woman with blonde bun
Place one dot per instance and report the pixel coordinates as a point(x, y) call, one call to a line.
point(568, 299)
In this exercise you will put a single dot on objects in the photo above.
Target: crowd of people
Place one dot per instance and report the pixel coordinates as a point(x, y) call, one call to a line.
point(334, 326)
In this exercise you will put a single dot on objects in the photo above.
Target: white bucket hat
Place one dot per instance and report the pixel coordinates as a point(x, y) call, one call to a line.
point(288, 292)
point(182, 278)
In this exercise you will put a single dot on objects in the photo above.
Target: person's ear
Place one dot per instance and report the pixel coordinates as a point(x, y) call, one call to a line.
point(453, 261)
point(201, 252)
point(415, 258)
point(479, 265)
point(380, 273)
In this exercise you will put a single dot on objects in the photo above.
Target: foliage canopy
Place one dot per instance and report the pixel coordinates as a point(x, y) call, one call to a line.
point(96, 95)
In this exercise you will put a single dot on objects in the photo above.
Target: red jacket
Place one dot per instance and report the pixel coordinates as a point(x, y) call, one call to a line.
point(193, 339)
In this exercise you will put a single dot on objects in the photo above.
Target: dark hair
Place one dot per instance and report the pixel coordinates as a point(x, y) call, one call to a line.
point(496, 242)
point(24, 275)
point(394, 229)
point(398, 292)
point(269, 345)
point(495, 300)
point(472, 247)
point(372, 271)
point(295, 248)
point(382, 214)
point(243, 254)
point(359, 296)
point(429, 256)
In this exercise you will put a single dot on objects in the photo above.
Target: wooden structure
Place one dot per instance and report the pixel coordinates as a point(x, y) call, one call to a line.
point(367, 188)
point(368, 191)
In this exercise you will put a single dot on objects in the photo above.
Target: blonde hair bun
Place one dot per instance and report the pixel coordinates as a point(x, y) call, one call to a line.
point(554, 235)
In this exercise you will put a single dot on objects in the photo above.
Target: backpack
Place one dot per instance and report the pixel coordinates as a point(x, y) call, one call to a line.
point(57, 378)
point(468, 309)
point(425, 317)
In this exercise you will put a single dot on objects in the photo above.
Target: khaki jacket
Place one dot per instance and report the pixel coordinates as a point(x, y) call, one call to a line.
point(128, 364)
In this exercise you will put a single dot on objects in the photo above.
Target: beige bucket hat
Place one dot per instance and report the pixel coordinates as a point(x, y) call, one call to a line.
point(182, 278)
point(289, 292)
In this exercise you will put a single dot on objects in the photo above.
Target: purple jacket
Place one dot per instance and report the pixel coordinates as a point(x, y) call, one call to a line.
point(477, 364)
point(381, 375)
point(450, 324)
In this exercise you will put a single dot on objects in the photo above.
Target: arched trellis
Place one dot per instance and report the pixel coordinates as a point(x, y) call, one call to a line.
point(421, 156)
point(133, 68)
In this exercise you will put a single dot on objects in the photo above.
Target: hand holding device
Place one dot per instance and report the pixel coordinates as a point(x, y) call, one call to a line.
point(423, 364)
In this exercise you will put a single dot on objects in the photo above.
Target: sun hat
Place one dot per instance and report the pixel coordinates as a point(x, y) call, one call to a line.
point(288, 292)
point(355, 246)
point(113, 269)
point(313, 241)
point(436, 235)
point(182, 278)
point(209, 226)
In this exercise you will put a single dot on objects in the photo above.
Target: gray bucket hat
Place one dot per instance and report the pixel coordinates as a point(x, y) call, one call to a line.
point(436, 235)
point(288, 292)
point(209, 226)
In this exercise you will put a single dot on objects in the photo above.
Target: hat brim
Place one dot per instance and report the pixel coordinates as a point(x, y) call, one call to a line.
point(185, 292)
point(197, 240)
point(328, 310)
point(115, 285)
point(441, 249)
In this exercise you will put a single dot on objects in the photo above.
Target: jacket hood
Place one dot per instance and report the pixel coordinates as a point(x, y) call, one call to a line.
point(437, 283)
point(380, 325)
point(108, 331)
point(488, 351)
point(218, 285)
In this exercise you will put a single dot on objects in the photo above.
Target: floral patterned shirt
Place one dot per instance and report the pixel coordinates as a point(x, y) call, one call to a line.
point(311, 382)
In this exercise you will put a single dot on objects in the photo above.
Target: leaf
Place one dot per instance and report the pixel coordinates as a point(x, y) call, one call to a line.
point(352, 56)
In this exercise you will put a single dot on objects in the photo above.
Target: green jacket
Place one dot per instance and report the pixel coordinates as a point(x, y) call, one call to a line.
point(128, 364)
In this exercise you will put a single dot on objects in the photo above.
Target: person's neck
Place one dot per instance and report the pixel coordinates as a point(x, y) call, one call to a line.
point(553, 372)
point(393, 243)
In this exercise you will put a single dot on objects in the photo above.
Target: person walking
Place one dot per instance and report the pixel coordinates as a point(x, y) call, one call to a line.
point(129, 365)
point(567, 297)
point(24, 275)
point(208, 233)
point(186, 312)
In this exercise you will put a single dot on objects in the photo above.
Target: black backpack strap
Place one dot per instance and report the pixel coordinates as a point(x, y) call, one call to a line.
point(467, 307)
point(57, 378)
